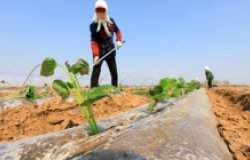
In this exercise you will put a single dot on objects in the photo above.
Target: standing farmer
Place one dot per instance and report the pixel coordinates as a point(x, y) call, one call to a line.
point(209, 77)
point(102, 30)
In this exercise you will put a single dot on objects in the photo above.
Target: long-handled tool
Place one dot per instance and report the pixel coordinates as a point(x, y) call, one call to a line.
point(111, 51)
point(93, 65)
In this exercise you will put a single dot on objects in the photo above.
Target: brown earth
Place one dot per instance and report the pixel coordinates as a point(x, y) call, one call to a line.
point(54, 115)
point(6, 93)
point(231, 106)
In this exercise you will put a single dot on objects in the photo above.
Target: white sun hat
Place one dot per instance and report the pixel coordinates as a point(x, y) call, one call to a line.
point(101, 4)
point(106, 22)
point(207, 68)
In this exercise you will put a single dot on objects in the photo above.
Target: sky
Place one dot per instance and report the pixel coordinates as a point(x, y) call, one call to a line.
point(164, 38)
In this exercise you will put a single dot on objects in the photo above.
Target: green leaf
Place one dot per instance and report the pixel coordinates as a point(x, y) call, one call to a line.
point(162, 96)
point(106, 88)
point(156, 90)
point(98, 93)
point(95, 96)
point(29, 93)
point(152, 105)
point(48, 67)
point(181, 82)
point(75, 68)
point(81, 67)
point(195, 84)
point(188, 89)
point(85, 64)
point(192, 86)
point(70, 85)
point(171, 87)
point(177, 93)
point(167, 83)
point(61, 88)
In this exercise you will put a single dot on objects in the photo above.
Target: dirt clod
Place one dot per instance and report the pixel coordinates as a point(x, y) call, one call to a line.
point(246, 106)
point(55, 122)
point(71, 124)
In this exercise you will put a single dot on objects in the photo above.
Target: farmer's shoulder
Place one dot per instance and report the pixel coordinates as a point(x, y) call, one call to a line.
point(112, 20)
point(93, 26)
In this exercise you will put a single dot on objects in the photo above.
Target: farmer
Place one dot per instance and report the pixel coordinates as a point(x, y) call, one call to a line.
point(102, 41)
point(209, 77)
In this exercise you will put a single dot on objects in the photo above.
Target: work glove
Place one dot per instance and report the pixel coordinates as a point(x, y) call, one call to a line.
point(96, 60)
point(118, 44)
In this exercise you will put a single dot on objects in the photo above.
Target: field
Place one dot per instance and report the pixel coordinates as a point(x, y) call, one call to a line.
point(53, 115)
point(231, 105)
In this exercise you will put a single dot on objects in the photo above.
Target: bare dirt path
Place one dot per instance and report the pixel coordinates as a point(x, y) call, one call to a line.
point(230, 105)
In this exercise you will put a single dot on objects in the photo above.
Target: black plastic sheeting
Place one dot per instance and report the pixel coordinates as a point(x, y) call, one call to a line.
point(185, 130)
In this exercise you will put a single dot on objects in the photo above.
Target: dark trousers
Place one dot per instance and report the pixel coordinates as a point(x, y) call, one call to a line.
point(209, 83)
point(111, 62)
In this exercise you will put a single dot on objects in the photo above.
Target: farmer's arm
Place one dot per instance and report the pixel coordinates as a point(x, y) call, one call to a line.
point(94, 43)
point(117, 31)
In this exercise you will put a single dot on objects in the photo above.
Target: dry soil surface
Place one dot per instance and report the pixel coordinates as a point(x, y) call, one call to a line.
point(54, 115)
point(231, 106)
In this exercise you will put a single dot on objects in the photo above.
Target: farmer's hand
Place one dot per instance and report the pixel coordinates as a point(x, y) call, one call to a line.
point(96, 60)
point(119, 44)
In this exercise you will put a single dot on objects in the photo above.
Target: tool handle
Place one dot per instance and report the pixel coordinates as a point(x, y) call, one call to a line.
point(112, 50)
point(92, 66)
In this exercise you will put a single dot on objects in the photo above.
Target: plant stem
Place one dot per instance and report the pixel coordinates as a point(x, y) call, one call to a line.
point(12, 96)
point(30, 74)
point(96, 128)
point(87, 111)
point(85, 108)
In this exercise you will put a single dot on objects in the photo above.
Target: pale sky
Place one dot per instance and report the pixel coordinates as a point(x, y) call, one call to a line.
point(164, 37)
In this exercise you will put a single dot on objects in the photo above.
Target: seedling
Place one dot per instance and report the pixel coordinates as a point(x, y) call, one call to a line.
point(168, 88)
point(85, 98)
point(30, 93)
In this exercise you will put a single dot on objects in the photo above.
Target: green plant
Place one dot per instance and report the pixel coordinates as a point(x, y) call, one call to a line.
point(3, 81)
point(85, 98)
point(141, 92)
point(168, 88)
point(122, 87)
point(157, 94)
point(193, 85)
point(29, 92)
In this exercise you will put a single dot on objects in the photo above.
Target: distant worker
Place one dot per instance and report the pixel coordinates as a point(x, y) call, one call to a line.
point(209, 77)
point(102, 30)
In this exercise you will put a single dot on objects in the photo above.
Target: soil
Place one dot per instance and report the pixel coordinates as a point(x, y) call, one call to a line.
point(231, 106)
point(5, 91)
point(55, 115)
